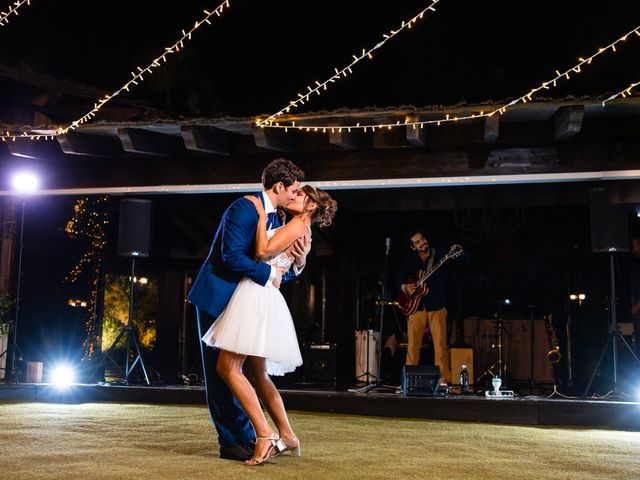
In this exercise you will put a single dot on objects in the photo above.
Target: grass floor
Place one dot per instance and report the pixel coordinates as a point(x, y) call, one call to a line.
point(117, 441)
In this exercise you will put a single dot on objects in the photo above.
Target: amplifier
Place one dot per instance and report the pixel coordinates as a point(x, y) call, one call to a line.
point(421, 380)
point(319, 362)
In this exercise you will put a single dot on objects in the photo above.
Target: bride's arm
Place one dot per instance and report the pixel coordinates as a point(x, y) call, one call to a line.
point(283, 237)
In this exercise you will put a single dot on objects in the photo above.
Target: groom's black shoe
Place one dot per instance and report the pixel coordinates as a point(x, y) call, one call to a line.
point(236, 452)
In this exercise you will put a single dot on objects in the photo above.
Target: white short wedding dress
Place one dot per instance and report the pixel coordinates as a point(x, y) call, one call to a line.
point(257, 322)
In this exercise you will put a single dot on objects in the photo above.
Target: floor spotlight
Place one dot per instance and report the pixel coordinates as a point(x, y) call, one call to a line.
point(62, 375)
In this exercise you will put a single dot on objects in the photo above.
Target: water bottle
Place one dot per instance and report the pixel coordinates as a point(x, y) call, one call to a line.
point(464, 379)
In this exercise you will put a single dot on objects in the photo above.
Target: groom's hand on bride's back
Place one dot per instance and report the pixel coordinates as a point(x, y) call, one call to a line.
point(278, 278)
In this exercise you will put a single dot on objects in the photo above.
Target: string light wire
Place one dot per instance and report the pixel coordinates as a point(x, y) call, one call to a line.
point(624, 93)
point(318, 87)
point(13, 9)
point(527, 97)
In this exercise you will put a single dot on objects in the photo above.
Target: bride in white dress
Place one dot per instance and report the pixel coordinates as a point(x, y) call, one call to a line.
point(255, 333)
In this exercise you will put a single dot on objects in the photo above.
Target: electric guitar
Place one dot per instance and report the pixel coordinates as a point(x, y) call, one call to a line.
point(409, 303)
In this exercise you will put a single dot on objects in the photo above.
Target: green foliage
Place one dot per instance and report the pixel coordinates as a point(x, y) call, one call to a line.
point(6, 303)
point(116, 310)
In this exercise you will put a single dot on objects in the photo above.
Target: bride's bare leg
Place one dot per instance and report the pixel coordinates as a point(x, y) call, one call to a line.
point(256, 372)
point(229, 368)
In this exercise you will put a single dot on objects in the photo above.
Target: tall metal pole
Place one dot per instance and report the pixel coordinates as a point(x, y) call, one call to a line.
point(14, 345)
point(130, 322)
point(613, 324)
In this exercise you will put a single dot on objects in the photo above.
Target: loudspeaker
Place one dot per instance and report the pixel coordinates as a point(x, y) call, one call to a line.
point(458, 357)
point(134, 228)
point(420, 380)
point(319, 362)
point(609, 223)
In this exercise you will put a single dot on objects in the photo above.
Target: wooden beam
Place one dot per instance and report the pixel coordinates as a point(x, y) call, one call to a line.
point(491, 128)
point(416, 136)
point(206, 139)
point(23, 147)
point(273, 139)
point(568, 121)
point(75, 143)
point(137, 140)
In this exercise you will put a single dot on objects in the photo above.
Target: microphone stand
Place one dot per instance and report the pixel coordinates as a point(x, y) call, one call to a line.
point(381, 302)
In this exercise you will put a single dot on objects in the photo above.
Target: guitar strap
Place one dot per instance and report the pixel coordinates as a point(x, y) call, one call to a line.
point(432, 255)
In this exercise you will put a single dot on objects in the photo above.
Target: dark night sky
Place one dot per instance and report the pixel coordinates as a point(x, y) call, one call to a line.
point(258, 55)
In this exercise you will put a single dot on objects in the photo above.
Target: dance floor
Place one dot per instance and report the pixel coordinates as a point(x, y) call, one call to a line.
point(117, 441)
point(522, 410)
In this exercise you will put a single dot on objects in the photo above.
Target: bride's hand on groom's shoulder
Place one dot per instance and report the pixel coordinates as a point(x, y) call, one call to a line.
point(256, 203)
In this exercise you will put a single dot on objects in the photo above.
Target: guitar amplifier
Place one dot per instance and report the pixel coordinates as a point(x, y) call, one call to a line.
point(420, 380)
point(319, 362)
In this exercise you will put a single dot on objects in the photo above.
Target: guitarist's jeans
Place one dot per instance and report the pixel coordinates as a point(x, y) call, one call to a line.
point(437, 321)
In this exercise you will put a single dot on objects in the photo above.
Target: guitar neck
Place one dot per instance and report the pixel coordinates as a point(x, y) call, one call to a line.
point(426, 275)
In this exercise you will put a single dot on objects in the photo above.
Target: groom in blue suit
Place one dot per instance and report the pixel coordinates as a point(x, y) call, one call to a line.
point(232, 257)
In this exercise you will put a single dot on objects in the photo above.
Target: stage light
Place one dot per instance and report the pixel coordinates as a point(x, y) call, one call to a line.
point(25, 182)
point(507, 301)
point(573, 296)
point(581, 296)
point(62, 375)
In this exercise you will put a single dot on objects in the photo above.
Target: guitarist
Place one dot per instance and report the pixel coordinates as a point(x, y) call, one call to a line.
point(431, 309)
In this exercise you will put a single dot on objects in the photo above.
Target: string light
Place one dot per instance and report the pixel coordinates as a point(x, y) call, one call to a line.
point(624, 93)
point(138, 74)
point(13, 9)
point(527, 97)
point(90, 221)
point(318, 87)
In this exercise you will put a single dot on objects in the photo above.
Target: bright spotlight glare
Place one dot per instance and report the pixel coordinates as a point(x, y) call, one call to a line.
point(507, 301)
point(62, 375)
point(25, 182)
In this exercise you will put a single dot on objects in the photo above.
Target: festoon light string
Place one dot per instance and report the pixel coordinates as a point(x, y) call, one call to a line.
point(13, 10)
point(318, 86)
point(527, 97)
point(137, 77)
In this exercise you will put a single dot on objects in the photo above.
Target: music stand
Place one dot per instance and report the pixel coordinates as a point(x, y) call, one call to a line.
point(382, 301)
point(612, 337)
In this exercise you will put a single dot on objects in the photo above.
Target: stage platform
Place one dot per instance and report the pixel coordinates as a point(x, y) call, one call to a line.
point(521, 410)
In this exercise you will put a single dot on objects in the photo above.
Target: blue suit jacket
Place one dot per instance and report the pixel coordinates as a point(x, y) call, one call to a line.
point(231, 258)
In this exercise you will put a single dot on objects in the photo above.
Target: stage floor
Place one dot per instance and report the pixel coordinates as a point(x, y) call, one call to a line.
point(522, 410)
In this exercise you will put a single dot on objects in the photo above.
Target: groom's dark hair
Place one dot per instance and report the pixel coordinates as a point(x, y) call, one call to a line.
point(281, 170)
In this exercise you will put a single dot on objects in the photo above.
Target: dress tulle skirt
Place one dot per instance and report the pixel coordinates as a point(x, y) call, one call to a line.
point(257, 322)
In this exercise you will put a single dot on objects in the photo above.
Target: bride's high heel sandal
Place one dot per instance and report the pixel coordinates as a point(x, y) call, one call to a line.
point(282, 447)
point(255, 461)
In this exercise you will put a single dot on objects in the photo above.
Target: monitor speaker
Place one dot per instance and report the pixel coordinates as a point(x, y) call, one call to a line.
point(609, 223)
point(319, 362)
point(420, 380)
point(134, 229)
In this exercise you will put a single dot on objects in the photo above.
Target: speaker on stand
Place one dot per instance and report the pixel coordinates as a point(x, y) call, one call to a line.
point(134, 232)
point(610, 234)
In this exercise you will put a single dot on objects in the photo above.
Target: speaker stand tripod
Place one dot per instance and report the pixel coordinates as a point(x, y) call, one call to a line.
point(612, 341)
point(130, 334)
